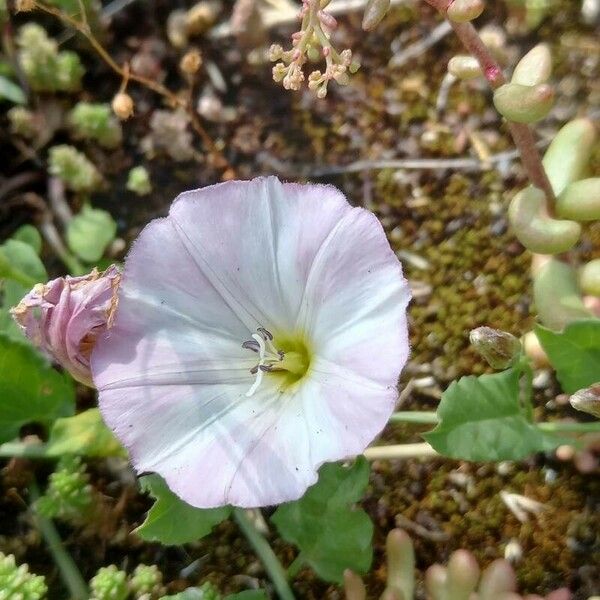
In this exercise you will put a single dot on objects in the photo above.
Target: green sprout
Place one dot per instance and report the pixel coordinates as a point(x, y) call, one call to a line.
point(71, 166)
point(109, 583)
point(95, 121)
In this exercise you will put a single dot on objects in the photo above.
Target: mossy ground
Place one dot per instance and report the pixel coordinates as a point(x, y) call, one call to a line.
point(450, 229)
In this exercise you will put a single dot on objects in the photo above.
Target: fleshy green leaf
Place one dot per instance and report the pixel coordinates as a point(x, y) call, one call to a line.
point(90, 232)
point(483, 418)
point(9, 90)
point(171, 521)
point(30, 235)
point(84, 434)
point(574, 353)
point(331, 533)
point(30, 389)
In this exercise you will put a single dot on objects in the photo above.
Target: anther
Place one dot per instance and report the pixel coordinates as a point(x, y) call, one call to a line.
point(251, 345)
point(267, 335)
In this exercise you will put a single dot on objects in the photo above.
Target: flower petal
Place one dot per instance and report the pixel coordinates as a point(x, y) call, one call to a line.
point(354, 306)
point(256, 241)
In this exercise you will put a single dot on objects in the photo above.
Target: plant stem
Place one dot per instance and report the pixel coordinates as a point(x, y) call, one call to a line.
point(570, 427)
point(521, 133)
point(422, 450)
point(66, 565)
point(271, 563)
point(415, 416)
point(21, 450)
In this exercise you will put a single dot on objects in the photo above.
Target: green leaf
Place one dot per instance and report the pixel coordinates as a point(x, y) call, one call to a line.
point(20, 262)
point(90, 232)
point(12, 293)
point(30, 235)
point(9, 90)
point(171, 521)
point(30, 389)
point(574, 353)
point(84, 434)
point(331, 533)
point(483, 418)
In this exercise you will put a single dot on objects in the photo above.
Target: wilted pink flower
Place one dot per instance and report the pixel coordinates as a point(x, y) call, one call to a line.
point(64, 317)
point(261, 331)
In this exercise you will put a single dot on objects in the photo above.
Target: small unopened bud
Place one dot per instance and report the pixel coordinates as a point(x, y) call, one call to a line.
point(374, 13)
point(535, 67)
point(354, 66)
point(190, 62)
point(587, 400)
point(24, 5)
point(523, 103)
point(499, 348)
point(462, 11)
point(464, 67)
point(589, 278)
point(580, 200)
point(535, 229)
point(122, 105)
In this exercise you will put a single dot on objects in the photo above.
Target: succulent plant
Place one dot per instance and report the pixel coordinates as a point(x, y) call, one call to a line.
point(460, 579)
point(109, 583)
point(75, 170)
point(95, 121)
point(146, 582)
point(138, 181)
point(47, 69)
point(16, 582)
point(68, 495)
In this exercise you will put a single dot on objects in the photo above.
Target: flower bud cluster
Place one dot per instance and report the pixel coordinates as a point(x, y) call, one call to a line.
point(109, 583)
point(309, 44)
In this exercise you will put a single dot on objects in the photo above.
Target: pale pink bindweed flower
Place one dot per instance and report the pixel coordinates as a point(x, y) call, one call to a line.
point(261, 331)
point(64, 317)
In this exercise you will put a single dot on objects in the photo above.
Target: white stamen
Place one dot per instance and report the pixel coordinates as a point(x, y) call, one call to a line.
point(268, 356)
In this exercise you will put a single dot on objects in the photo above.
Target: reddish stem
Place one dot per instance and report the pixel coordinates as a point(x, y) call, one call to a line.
point(521, 133)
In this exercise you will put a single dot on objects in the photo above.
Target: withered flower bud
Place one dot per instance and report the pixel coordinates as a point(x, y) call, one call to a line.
point(65, 316)
point(499, 348)
point(587, 400)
